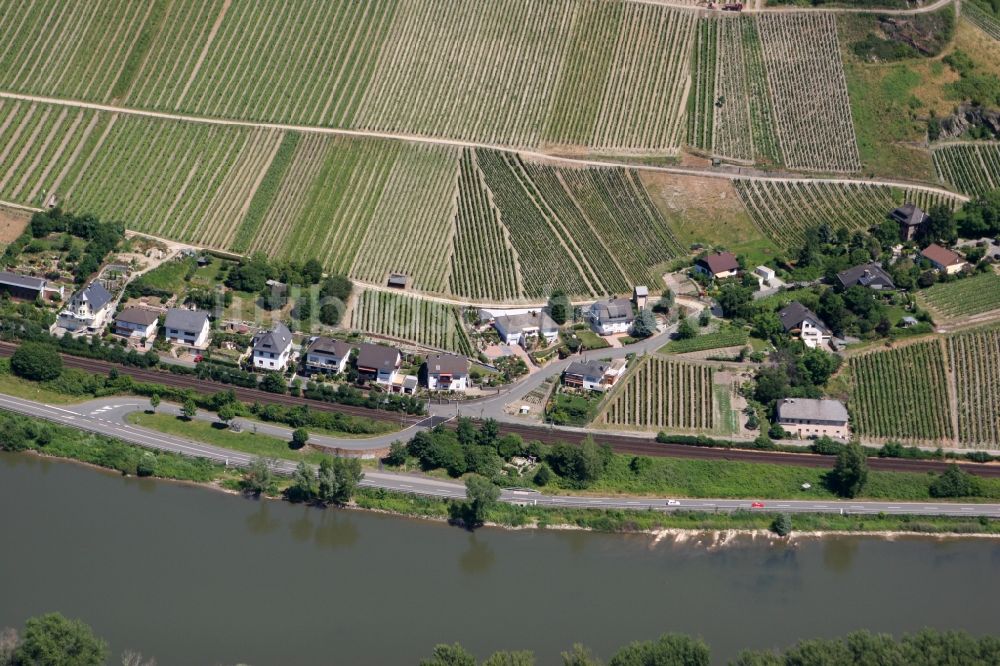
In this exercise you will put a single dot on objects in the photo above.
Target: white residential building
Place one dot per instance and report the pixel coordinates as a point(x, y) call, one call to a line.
point(447, 372)
point(378, 363)
point(594, 375)
point(137, 323)
point(187, 327)
point(88, 310)
point(327, 355)
point(612, 317)
point(800, 321)
point(515, 329)
point(272, 349)
point(805, 417)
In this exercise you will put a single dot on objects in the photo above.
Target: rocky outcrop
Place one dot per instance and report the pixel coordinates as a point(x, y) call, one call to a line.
point(967, 117)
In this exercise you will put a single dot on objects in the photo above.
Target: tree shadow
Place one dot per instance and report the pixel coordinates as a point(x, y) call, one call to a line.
point(478, 558)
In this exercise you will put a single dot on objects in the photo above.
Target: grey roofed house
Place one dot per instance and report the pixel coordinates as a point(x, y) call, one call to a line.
point(448, 364)
point(613, 311)
point(594, 369)
point(377, 358)
point(95, 295)
point(278, 338)
point(325, 345)
point(518, 322)
point(180, 319)
point(909, 215)
point(138, 316)
point(869, 275)
point(813, 411)
point(21, 286)
point(795, 313)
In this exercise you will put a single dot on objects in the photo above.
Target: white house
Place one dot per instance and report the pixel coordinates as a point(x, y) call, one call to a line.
point(804, 417)
point(327, 355)
point(800, 321)
point(719, 265)
point(594, 375)
point(517, 328)
point(943, 259)
point(272, 349)
point(378, 363)
point(612, 317)
point(187, 327)
point(137, 323)
point(87, 310)
point(447, 372)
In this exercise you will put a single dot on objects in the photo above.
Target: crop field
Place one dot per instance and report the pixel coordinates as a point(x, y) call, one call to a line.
point(663, 394)
point(401, 317)
point(701, 98)
point(975, 359)
point(607, 75)
point(808, 90)
point(784, 210)
point(902, 394)
point(979, 17)
point(968, 297)
point(728, 337)
point(969, 168)
point(483, 261)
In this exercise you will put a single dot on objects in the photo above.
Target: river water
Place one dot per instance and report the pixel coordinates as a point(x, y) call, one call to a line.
point(193, 576)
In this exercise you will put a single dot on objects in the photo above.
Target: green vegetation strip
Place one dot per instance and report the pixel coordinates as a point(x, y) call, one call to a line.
point(729, 337)
point(266, 192)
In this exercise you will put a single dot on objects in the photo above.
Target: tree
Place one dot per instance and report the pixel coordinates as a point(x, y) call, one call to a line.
point(299, 438)
point(665, 302)
point(559, 307)
point(579, 656)
point(312, 270)
point(397, 454)
point(258, 479)
point(507, 658)
point(782, 525)
point(189, 409)
point(735, 301)
point(667, 650)
point(53, 640)
point(331, 313)
point(644, 324)
point(303, 488)
point(704, 318)
point(338, 479)
point(274, 382)
point(36, 361)
point(227, 413)
point(449, 655)
point(482, 494)
point(940, 225)
point(542, 475)
point(154, 401)
point(146, 466)
point(850, 473)
point(954, 482)
point(336, 286)
point(685, 330)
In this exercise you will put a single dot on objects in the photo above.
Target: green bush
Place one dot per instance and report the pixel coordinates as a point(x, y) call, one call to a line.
point(36, 361)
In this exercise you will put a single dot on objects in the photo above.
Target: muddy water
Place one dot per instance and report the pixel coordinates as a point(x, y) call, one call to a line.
point(193, 576)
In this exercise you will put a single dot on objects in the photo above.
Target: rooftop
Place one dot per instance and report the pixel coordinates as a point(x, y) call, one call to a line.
point(593, 368)
point(909, 215)
point(720, 262)
point(808, 409)
point(185, 320)
point(139, 316)
point(18, 280)
point(538, 319)
point(618, 309)
point(96, 295)
point(795, 313)
point(377, 357)
point(448, 364)
point(865, 275)
point(325, 345)
point(278, 338)
point(941, 255)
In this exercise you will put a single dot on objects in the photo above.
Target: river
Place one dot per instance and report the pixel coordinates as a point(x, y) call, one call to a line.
point(193, 576)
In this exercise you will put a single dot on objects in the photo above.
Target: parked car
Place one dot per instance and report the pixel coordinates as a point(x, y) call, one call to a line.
point(671, 502)
point(756, 505)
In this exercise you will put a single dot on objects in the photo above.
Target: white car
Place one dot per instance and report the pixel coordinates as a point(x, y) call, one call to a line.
point(673, 503)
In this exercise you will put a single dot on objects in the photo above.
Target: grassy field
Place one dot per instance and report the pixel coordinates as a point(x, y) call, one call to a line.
point(257, 444)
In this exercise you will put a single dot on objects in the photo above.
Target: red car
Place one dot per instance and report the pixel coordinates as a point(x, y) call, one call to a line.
point(756, 505)
point(199, 358)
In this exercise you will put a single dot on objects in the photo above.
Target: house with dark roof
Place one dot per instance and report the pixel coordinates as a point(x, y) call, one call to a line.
point(327, 355)
point(943, 259)
point(447, 372)
point(272, 349)
point(718, 265)
point(910, 219)
point(612, 317)
point(594, 375)
point(804, 417)
point(517, 328)
point(869, 275)
point(137, 323)
point(801, 322)
point(187, 327)
point(378, 363)
point(88, 310)
point(24, 287)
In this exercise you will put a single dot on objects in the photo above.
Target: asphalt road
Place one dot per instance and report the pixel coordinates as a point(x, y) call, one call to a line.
point(98, 421)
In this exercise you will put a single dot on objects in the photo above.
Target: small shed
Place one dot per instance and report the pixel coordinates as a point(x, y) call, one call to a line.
point(764, 272)
point(398, 281)
point(641, 296)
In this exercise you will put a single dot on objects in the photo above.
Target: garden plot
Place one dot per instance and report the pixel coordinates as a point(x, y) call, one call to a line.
point(785, 209)
point(663, 394)
point(809, 91)
point(406, 318)
point(971, 168)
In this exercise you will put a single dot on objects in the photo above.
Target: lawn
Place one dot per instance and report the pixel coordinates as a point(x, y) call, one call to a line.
point(591, 340)
point(168, 276)
point(210, 433)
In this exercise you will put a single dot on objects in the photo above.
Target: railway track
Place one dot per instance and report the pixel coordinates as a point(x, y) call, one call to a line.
point(620, 443)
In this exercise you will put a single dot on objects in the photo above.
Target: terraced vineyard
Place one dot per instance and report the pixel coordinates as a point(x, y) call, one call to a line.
point(975, 359)
point(783, 210)
point(663, 394)
point(808, 90)
point(968, 297)
point(969, 168)
point(902, 394)
point(979, 17)
point(401, 317)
